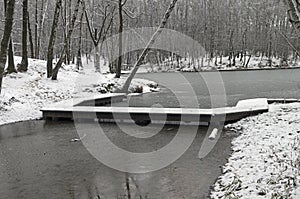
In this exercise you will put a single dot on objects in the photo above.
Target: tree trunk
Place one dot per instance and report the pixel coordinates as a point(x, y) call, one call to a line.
point(30, 38)
point(24, 63)
point(50, 55)
point(68, 50)
point(97, 59)
point(119, 66)
point(270, 45)
point(79, 54)
point(10, 5)
point(148, 47)
point(36, 30)
point(43, 10)
point(11, 62)
point(231, 53)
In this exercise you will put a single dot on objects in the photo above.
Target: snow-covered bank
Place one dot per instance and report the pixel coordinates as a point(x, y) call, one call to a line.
point(266, 156)
point(218, 64)
point(24, 94)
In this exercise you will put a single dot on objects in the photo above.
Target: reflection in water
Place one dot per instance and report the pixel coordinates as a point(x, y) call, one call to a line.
point(39, 161)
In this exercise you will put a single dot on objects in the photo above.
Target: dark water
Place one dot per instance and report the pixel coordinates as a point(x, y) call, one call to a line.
point(37, 160)
point(238, 86)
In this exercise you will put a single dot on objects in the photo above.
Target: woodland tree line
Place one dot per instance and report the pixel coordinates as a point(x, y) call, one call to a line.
point(64, 31)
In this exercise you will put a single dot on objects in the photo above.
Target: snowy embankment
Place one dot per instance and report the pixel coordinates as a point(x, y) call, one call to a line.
point(195, 65)
point(24, 94)
point(266, 157)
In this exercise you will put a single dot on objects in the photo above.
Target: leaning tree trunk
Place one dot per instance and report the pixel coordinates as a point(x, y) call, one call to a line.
point(148, 47)
point(24, 63)
point(66, 42)
point(50, 55)
point(6, 36)
point(294, 14)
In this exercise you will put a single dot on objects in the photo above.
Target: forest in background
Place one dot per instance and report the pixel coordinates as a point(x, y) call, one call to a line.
point(67, 30)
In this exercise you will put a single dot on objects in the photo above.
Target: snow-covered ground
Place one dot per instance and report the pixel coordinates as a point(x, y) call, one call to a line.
point(266, 157)
point(24, 94)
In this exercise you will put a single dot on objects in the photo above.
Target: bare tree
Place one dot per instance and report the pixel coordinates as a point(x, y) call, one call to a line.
point(6, 36)
point(50, 55)
point(79, 54)
point(40, 26)
point(66, 42)
point(23, 66)
point(121, 27)
point(11, 62)
point(30, 37)
point(99, 36)
point(148, 47)
point(36, 29)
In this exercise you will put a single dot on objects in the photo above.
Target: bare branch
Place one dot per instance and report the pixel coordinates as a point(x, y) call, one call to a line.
point(124, 3)
point(89, 28)
point(130, 14)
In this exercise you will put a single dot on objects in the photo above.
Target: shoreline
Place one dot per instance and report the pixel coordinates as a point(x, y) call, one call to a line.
point(212, 71)
point(252, 164)
point(248, 69)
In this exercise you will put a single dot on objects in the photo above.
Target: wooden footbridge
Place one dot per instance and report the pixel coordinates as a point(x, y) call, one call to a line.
point(95, 108)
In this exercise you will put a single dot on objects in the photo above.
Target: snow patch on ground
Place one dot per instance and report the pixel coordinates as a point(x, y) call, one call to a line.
point(24, 94)
point(266, 156)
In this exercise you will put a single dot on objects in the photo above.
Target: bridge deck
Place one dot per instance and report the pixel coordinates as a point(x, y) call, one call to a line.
point(92, 108)
point(156, 114)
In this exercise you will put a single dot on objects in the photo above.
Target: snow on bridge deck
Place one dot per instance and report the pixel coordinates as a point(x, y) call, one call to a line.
point(95, 100)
